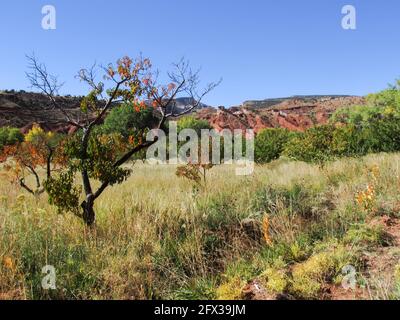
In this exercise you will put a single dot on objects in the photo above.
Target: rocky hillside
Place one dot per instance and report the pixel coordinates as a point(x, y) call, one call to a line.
point(295, 113)
point(22, 109)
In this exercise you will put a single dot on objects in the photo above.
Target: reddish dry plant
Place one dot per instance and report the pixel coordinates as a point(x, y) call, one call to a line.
point(40, 150)
point(266, 230)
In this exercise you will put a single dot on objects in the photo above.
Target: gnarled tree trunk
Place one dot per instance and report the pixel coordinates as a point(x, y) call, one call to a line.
point(88, 214)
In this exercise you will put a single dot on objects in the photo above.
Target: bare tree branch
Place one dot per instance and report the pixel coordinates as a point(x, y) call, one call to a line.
point(48, 84)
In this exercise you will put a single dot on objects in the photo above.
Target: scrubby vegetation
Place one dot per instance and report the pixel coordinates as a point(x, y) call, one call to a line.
point(353, 131)
point(319, 218)
point(10, 136)
point(270, 144)
point(211, 243)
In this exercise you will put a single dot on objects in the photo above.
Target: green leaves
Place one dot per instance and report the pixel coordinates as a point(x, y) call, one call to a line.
point(90, 102)
point(127, 121)
point(191, 122)
point(10, 136)
point(311, 146)
point(270, 143)
point(102, 153)
point(63, 193)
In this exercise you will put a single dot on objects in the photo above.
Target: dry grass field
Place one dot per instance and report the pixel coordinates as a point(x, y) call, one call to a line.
point(285, 232)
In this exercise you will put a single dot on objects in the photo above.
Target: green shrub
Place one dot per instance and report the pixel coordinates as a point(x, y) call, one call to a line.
point(231, 290)
point(10, 136)
point(310, 276)
point(377, 124)
point(314, 145)
point(269, 144)
point(350, 141)
point(356, 115)
point(367, 235)
point(386, 98)
point(378, 104)
point(328, 142)
point(274, 277)
point(384, 133)
point(190, 122)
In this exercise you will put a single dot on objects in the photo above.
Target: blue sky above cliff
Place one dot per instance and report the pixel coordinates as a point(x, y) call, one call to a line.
point(261, 48)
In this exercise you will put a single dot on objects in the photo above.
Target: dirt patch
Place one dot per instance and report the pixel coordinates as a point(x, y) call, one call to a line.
point(336, 292)
point(256, 291)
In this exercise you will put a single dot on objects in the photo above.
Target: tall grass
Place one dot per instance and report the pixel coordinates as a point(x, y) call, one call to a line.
point(157, 237)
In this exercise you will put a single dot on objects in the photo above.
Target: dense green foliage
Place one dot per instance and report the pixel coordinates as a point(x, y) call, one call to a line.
point(270, 143)
point(10, 136)
point(127, 121)
point(326, 142)
point(353, 131)
point(191, 122)
point(379, 105)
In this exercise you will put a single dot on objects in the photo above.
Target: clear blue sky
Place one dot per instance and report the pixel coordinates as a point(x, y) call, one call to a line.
point(261, 48)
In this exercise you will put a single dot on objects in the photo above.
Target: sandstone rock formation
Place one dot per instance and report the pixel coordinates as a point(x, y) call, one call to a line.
point(293, 113)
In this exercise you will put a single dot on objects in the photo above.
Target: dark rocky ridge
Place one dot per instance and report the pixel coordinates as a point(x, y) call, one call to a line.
point(22, 109)
point(267, 103)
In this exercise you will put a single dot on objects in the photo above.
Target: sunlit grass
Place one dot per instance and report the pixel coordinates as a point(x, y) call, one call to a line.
point(157, 236)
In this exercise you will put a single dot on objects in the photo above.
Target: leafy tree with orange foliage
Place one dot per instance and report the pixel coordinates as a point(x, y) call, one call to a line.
point(39, 150)
point(101, 157)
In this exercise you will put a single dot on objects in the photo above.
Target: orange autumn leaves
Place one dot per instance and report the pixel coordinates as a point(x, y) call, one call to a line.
point(32, 153)
point(140, 83)
point(139, 106)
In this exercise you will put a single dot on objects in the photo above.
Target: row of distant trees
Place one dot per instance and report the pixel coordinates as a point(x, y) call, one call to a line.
point(352, 131)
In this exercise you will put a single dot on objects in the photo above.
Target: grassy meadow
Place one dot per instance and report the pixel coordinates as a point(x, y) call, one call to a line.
point(285, 232)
